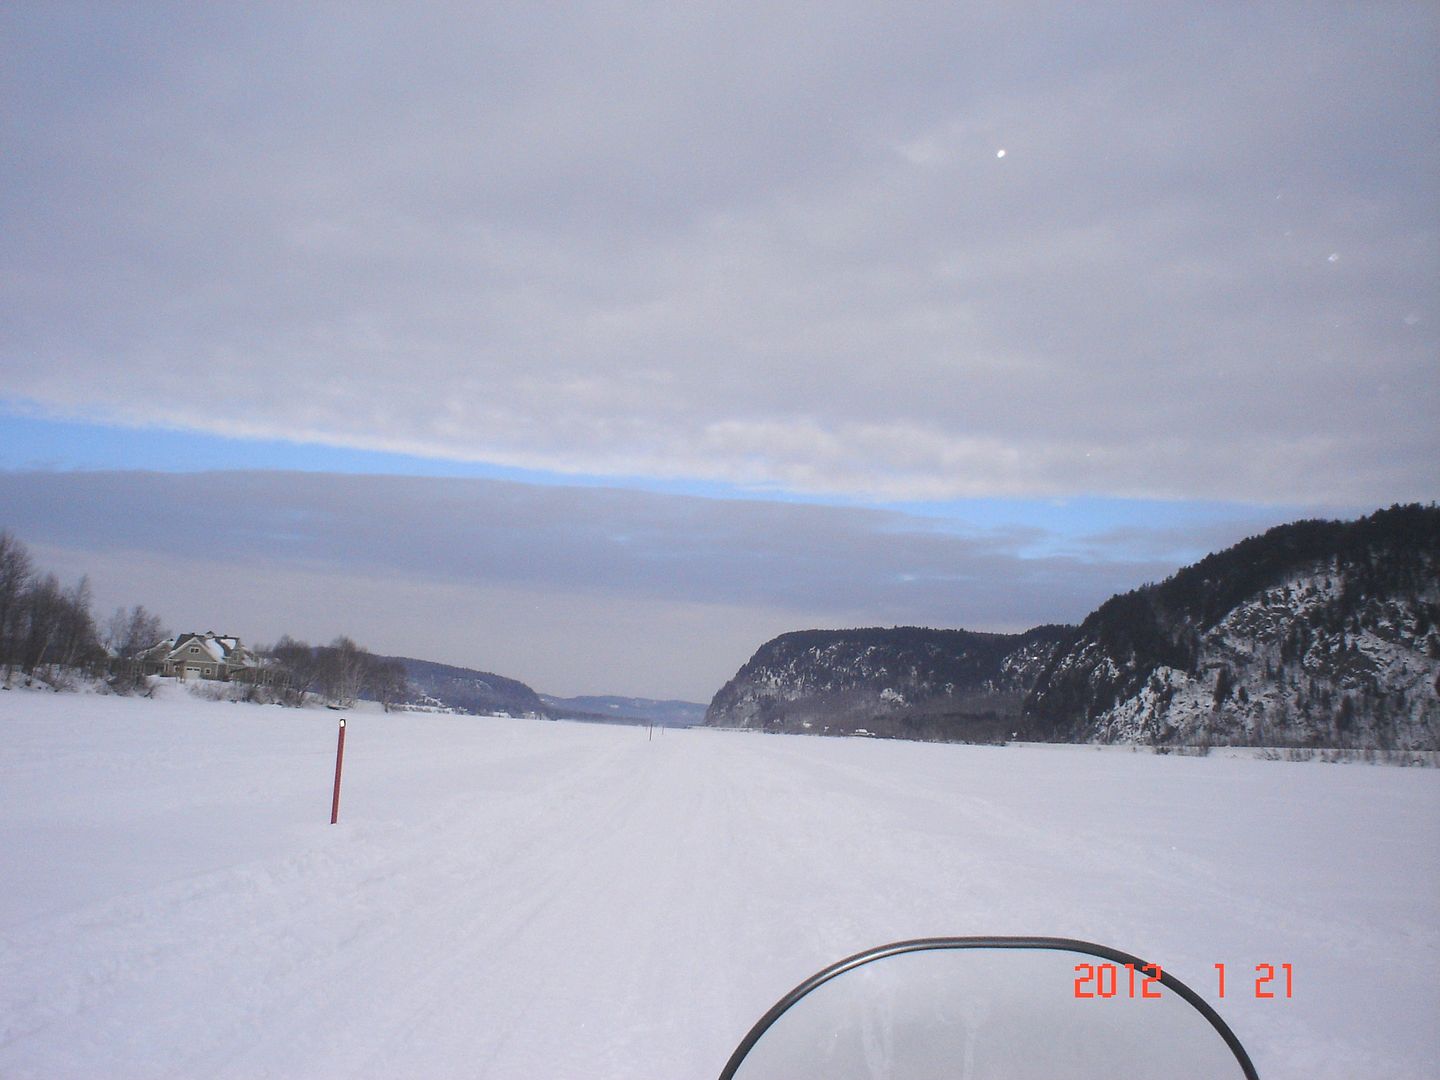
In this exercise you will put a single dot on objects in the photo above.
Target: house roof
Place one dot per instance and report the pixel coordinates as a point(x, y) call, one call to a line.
point(221, 649)
point(159, 649)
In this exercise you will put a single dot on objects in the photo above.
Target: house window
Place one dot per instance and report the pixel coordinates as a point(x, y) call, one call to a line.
point(195, 649)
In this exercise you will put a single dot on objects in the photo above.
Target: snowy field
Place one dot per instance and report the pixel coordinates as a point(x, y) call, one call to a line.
point(524, 899)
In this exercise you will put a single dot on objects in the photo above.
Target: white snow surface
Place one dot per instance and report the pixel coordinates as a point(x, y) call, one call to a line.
point(530, 899)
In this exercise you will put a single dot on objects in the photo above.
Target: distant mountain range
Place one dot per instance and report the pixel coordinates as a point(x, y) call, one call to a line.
point(626, 710)
point(484, 693)
point(1317, 633)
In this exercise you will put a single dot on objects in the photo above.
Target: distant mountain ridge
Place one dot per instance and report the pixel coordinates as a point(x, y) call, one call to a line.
point(907, 682)
point(483, 693)
point(1316, 633)
point(625, 710)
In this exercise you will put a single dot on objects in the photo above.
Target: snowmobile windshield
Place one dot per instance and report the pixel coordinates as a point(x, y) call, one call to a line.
point(991, 1009)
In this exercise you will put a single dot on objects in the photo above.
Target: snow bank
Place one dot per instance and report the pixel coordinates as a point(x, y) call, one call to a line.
point(523, 899)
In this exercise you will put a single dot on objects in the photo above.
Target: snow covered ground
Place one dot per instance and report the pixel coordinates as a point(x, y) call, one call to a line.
point(527, 899)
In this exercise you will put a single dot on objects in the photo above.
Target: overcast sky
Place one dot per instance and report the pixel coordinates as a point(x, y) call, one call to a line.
point(673, 329)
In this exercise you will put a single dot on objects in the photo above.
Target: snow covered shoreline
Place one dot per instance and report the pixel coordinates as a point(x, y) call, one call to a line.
point(512, 898)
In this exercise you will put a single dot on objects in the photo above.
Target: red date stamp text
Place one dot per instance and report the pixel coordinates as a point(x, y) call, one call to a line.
point(1143, 981)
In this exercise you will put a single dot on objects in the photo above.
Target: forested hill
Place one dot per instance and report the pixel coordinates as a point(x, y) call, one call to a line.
point(465, 690)
point(1322, 633)
point(908, 682)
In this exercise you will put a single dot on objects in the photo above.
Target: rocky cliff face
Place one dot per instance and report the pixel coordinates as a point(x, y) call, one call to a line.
point(1314, 634)
point(906, 682)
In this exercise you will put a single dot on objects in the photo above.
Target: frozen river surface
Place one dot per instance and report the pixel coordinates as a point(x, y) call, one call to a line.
point(524, 899)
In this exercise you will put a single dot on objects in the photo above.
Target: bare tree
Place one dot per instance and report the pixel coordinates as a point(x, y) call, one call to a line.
point(41, 615)
point(77, 643)
point(385, 682)
point(112, 634)
point(58, 634)
point(142, 631)
point(126, 635)
point(343, 666)
point(16, 573)
point(297, 663)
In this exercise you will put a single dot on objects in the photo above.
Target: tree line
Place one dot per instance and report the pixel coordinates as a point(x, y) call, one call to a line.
point(48, 632)
point(341, 672)
point(45, 628)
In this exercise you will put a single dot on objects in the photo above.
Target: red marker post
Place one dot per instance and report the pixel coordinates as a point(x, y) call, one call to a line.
point(339, 761)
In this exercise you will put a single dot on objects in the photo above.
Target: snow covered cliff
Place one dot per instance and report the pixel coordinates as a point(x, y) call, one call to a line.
point(1318, 633)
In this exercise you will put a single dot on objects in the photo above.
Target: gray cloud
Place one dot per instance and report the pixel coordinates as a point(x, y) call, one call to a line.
point(771, 246)
point(571, 588)
point(446, 531)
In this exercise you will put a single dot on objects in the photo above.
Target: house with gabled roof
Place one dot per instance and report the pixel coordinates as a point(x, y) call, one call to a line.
point(199, 656)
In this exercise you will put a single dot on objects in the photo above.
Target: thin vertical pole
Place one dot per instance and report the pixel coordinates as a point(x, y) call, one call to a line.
point(339, 761)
